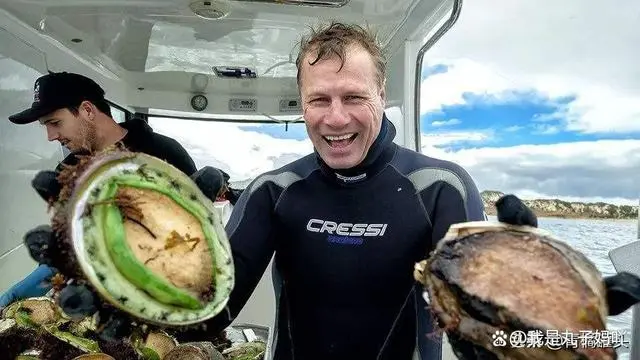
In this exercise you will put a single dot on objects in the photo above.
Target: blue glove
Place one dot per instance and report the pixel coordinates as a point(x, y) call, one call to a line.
point(35, 284)
point(37, 241)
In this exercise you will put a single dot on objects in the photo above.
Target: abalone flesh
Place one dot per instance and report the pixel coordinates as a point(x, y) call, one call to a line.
point(504, 291)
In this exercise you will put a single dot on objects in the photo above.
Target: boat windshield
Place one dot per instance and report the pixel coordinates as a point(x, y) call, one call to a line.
point(244, 150)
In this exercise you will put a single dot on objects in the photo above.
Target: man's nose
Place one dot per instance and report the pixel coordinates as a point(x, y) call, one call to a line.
point(337, 116)
point(52, 135)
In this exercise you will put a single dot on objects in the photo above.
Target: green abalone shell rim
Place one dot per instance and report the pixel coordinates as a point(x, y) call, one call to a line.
point(97, 174)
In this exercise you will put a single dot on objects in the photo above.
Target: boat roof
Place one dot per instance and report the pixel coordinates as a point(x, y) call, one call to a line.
point(155, 55)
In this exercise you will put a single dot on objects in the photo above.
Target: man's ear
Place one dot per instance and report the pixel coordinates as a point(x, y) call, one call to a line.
point(89, 109)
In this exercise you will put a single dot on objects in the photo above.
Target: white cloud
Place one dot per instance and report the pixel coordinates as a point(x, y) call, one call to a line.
point(16, 76)
point(586, 48)
point(241, 153)
point(449, 122)
point(455, 137)
point(590, 170)
point(463, 76)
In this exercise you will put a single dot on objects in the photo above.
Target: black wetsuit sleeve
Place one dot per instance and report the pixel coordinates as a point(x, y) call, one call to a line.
point(455, 203)
point(251, 236)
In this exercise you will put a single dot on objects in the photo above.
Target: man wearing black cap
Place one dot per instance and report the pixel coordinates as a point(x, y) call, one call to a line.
point(75, 113)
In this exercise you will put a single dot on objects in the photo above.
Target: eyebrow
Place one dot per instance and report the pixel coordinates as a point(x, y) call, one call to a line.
point(48, 120)
point(348, 92)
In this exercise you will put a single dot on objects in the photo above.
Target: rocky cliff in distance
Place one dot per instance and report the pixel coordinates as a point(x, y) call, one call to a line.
point(564, 209)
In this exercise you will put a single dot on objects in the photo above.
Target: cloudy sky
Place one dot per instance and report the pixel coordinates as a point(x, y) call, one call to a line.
point(538, 98)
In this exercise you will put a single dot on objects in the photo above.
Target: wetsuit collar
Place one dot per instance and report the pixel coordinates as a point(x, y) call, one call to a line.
point(379, 155)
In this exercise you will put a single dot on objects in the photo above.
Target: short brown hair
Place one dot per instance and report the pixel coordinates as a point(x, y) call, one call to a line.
point(334, 40)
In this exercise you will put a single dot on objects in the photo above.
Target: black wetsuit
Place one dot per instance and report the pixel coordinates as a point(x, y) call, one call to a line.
point(345, 247)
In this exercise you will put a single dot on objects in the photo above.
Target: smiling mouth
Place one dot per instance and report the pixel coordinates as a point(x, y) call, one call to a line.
point(340, 141)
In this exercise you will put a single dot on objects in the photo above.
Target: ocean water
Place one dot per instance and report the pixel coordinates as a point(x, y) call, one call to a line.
point(595, 238)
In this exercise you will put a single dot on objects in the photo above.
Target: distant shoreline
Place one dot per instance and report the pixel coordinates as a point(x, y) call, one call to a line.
point(568, 217)
point(560, 209)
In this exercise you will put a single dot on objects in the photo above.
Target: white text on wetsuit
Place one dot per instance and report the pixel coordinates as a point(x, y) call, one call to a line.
point(345, 229)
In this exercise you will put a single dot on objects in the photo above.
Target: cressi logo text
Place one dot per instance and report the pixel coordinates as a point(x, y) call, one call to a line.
point(346, 233)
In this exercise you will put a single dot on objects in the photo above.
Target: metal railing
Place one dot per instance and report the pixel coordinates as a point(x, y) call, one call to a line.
point(635, 318)
point(627, 258)
point(453, 18)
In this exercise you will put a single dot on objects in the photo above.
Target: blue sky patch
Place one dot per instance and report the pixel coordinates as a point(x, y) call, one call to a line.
point(508, 119)
point(523, 118)
point(433, 70)
point(295, 131)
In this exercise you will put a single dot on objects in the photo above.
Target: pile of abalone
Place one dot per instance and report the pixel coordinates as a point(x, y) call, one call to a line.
point(142, 257)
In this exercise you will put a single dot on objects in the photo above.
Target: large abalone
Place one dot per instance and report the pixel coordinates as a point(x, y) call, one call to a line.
point(502, 291)
point(146, 239)
point(508, 290)
point(141, 253)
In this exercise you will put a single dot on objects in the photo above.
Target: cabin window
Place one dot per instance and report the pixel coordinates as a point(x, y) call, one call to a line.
point(118, 115)
point(244, 148)
point(537, 102)
point(24, 150)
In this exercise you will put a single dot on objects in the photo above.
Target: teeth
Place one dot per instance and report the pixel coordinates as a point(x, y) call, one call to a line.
point(339, 137)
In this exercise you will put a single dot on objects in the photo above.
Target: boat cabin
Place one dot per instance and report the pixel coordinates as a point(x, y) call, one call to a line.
point(223, 61)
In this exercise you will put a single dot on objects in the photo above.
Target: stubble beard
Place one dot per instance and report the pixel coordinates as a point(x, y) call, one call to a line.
point(89, 136)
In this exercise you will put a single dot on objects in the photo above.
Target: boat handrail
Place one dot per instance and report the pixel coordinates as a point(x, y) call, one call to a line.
point(627, 258)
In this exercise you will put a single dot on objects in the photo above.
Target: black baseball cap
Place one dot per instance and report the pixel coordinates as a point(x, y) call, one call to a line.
point(56, 91)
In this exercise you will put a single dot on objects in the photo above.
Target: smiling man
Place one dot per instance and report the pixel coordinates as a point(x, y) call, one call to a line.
point(348, 222)
point(343, 103)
